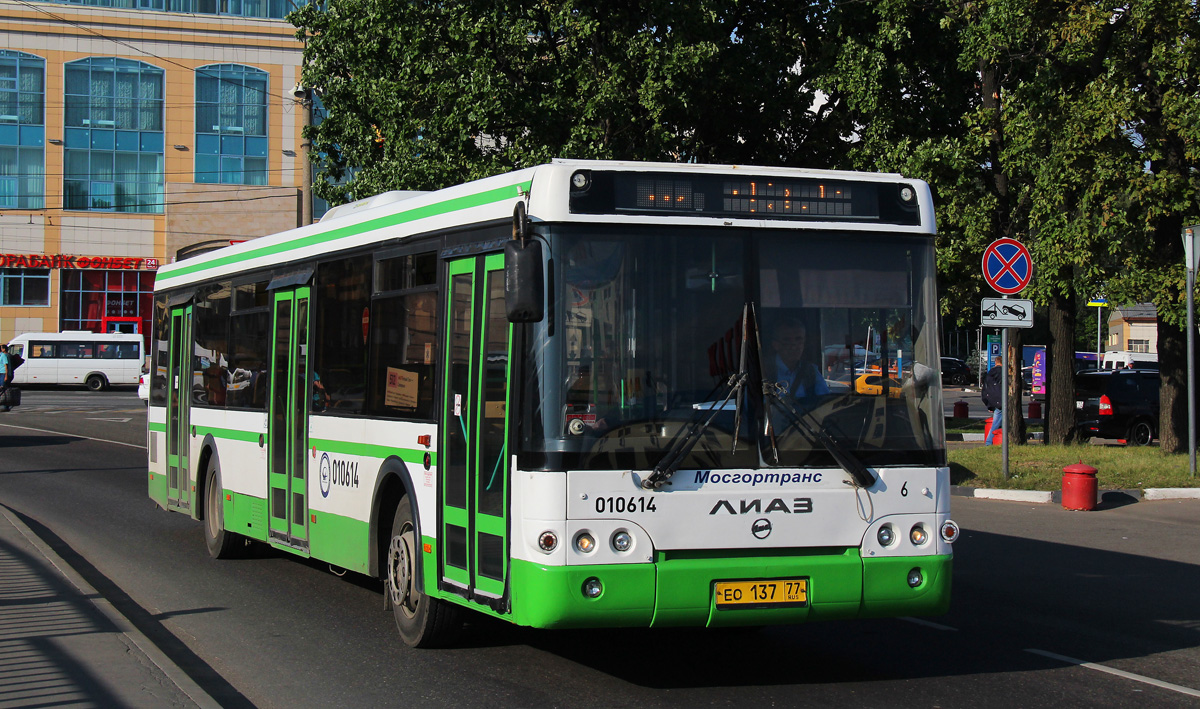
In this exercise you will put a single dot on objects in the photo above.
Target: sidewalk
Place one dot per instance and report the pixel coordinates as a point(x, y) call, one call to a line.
point(61, 644)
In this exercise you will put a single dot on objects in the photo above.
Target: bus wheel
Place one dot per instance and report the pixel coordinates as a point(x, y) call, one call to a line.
point(222, 544)
point(423, 621)
point(95, 382)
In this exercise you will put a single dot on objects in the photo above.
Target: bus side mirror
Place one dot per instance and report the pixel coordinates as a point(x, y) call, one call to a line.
point(523, 281)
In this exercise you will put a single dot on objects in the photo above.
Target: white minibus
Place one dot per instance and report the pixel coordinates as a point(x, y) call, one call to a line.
point(93, 359)
point(1123, 359)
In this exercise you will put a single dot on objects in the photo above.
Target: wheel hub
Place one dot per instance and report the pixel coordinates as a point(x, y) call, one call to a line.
point(400, 571)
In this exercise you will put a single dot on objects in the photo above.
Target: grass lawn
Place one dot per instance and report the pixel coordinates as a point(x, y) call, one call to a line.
point(1039, 467)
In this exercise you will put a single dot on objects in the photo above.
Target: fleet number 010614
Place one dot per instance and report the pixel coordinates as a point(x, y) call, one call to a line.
point(622, 505)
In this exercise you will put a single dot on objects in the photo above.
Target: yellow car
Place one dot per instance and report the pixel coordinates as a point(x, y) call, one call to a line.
point(872, 384)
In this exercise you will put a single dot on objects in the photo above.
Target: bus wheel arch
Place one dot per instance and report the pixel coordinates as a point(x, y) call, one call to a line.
point(96, 381)
point(391, 485)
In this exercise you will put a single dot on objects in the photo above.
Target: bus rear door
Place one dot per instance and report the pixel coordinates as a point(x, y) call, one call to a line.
point(474, 423)
point(179, 401)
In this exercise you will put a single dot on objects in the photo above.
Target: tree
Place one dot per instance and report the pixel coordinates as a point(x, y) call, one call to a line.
point(1077, 135)
point(425, 94)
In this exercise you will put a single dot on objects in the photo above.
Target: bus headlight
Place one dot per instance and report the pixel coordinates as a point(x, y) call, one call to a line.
point(885, 535)
point(918, 535)
point(585, 543)
point(621, 540)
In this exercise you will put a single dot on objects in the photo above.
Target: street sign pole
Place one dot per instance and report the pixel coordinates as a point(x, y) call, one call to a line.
point(1190, 234)
point(1004, 401)
point(1007, 268)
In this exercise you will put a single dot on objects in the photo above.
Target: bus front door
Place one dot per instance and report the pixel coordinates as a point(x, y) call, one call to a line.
point(179, 401)
point(287, 420)
point(474, 423)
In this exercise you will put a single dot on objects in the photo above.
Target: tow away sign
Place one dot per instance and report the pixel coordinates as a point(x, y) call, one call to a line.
point(1006, 312)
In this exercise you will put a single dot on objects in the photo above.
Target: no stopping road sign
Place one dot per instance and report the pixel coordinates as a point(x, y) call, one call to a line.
point(1007, 266)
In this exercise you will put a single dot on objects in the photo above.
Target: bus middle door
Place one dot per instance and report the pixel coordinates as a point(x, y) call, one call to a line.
point(474, 429)
point(287, 420)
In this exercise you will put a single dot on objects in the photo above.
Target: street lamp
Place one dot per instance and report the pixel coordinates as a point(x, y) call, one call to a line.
point(302, 96)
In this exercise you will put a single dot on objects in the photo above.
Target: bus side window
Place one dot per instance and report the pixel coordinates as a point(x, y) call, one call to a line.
point(42, 350)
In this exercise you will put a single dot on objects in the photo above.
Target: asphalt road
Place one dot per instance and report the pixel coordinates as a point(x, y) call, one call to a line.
point(1037, 590)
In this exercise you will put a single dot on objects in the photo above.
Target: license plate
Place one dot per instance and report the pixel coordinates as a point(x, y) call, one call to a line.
point(757, 594)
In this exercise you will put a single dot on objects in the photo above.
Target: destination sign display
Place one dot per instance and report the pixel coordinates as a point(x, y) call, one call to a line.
point(744, 196)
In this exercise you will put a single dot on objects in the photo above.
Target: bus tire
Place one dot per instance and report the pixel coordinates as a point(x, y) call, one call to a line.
point(95, 382)
point(423, 621)
point(221, 543)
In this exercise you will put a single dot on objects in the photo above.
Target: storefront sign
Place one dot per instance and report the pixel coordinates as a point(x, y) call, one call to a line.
point(70, 261)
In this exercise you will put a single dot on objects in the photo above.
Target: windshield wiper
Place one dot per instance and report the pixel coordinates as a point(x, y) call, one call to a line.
point(683, 446)
point(818, 433)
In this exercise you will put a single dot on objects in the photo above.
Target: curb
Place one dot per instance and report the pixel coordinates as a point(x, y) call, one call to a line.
point(136, 639)
point(1034, 436)
point(1055, 496)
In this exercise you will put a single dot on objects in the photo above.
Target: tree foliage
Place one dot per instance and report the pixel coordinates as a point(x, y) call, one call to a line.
point(425, 94)
point(1070, 132)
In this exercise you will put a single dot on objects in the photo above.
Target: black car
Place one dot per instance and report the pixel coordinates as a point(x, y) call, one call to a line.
point(1121, 403)
point(956, 371)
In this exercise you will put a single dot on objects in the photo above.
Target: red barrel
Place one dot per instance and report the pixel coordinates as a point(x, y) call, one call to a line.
point(1035, 409)
point(960, 410)
point(1079, 490)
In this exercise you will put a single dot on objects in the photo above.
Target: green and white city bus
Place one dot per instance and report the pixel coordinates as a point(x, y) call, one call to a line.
point(584, 394)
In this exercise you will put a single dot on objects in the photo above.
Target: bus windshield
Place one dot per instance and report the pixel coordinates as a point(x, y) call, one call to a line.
point(644, 337)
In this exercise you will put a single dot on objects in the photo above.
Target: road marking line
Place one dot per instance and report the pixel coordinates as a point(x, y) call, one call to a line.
point(1119, 673)
point(114, 420)
point(927, 623)
point(73, 435)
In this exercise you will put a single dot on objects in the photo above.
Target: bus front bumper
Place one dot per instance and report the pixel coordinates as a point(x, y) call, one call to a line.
point(680, 590)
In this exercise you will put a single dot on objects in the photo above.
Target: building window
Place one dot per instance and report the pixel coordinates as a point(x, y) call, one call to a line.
point(106, 301)
point(273, 9)
point(22, 131)
point(231, 125)
point(1139, 345)
point(113, 140)
point(24, 286)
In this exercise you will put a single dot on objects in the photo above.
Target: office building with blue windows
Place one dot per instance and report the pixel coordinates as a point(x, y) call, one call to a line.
point(132, 133)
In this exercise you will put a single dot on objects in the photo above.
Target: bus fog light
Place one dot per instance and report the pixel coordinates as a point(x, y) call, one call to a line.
point(547, 541)
point(918, 535)
point(585, 543)
point(915, 578)
point(621, 541)
point(592, 588)
point(950, 531)
point(886, 536)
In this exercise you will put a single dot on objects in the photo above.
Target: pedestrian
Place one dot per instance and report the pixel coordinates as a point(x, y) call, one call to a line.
point(5, 375)
point(992, 381)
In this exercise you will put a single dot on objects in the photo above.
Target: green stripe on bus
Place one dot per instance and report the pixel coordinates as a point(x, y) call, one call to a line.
point(230, 434)
point(371, 450)
point(160, 427)
point(431, 210)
